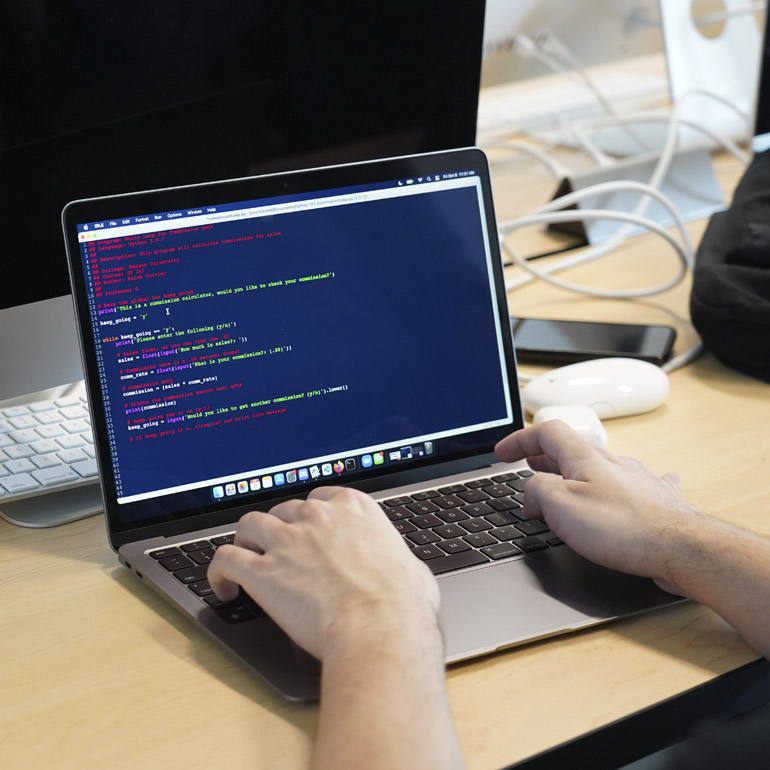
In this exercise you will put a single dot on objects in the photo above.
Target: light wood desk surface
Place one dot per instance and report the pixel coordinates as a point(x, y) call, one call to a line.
point(97, 672)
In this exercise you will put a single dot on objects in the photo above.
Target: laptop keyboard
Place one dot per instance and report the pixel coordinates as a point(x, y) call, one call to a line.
point(466, 524)
point(448, 528)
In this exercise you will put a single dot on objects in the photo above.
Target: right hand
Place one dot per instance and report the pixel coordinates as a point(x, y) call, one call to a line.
point(612, 510)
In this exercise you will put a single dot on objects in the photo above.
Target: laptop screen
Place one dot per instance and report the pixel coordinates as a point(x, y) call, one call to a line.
point(243, 348)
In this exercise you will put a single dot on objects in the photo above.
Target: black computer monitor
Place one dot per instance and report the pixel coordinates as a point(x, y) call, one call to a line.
point(99, 98)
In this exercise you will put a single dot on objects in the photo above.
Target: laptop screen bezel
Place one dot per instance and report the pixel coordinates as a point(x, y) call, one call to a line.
point(269, 186)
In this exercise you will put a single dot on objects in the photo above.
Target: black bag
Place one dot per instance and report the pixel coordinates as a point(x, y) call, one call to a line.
point(730, 298)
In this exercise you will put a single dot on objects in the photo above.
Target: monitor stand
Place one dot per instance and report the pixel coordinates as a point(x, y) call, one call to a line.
point(55, 508)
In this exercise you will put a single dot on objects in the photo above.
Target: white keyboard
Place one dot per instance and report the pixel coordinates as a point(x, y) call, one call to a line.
point(45, 446)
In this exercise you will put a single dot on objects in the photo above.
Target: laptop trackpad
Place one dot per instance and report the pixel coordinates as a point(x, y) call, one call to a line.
point(502, 604)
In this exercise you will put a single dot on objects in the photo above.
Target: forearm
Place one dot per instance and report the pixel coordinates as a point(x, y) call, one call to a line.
point(727, 569)
point(384, 704)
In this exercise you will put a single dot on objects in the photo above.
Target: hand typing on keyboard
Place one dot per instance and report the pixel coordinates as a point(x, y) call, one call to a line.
point(340, 580)
point(616, 512)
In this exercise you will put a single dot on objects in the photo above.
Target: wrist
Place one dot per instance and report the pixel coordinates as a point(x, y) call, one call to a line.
point(385, 626)
point(688, 549)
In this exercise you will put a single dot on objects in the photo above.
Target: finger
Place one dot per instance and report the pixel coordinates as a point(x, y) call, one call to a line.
point(231, 567)
point(541, 492)
point(288, 511)
point(543, 464)
point(257, 530)
point(554, 439)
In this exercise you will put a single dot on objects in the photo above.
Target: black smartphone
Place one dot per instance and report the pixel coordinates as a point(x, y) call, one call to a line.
point(543, 340)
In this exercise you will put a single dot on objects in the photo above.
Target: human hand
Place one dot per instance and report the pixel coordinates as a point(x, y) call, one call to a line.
point(329, 566)
point(612, 510)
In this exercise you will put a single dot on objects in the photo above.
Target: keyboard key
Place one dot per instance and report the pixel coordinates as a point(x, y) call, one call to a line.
point(223, 539)
point(478, 509)
point(447, 501)
point(86, 468)
point(501, 518)
point(475, 525)
point(473, 495)
point(23, 421)
point(503, 477)
point(161, 553)
point(404, 526)
point(426, 521)
point(44, 445)
point(19, 466)
point(194, 574)
point(506, 533)
point(501, 550)
point(423, 537)
point(519, 485)
point(25, 436)
point(174, 562)
point(427, 552)
point(398, 501)
point(76, 426)
point(46, 461)
point(202, 588)
point(421, 507)
point(20, 482)
point(202, 556)
point(478, 483)
point(75, 412)
point(452, 514)
point(480, 539)
point(398, 512)
point(58, 475)
point(455, 561)
point(504, 504)
point(425, 495)
point(72, 455)
point(451, 490)
point(18, 451)
point(40, 406)
point(448, 531)
point(532, 527)
point(531, 543)
point(67, 401)
point(455, 545)
point(70, 441)
point(240, 612)
point(49, 431)
point(5, 426)
point(14, 411)
point(49, 418)
point(498, 490)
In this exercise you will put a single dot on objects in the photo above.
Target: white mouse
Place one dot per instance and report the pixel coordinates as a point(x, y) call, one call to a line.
point(612, 387)
point(582, 419)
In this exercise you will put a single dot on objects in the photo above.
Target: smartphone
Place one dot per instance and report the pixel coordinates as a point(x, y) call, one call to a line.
point(543, 340)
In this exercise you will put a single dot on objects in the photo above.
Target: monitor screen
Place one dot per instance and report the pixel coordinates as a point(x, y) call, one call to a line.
point(103, 98)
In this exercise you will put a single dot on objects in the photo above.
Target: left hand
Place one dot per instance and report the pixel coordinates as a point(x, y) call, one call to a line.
point(330, 565)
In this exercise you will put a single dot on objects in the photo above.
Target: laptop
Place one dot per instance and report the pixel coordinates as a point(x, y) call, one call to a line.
point(248, 340)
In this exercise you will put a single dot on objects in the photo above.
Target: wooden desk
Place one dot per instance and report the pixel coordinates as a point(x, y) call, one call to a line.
point(96, 672)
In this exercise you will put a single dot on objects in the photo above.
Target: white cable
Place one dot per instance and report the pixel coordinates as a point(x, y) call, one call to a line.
point(589, 214)
point(557, 170)
point(590, 254)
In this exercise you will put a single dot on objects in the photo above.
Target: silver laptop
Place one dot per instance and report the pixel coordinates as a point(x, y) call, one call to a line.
point(245, 341)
